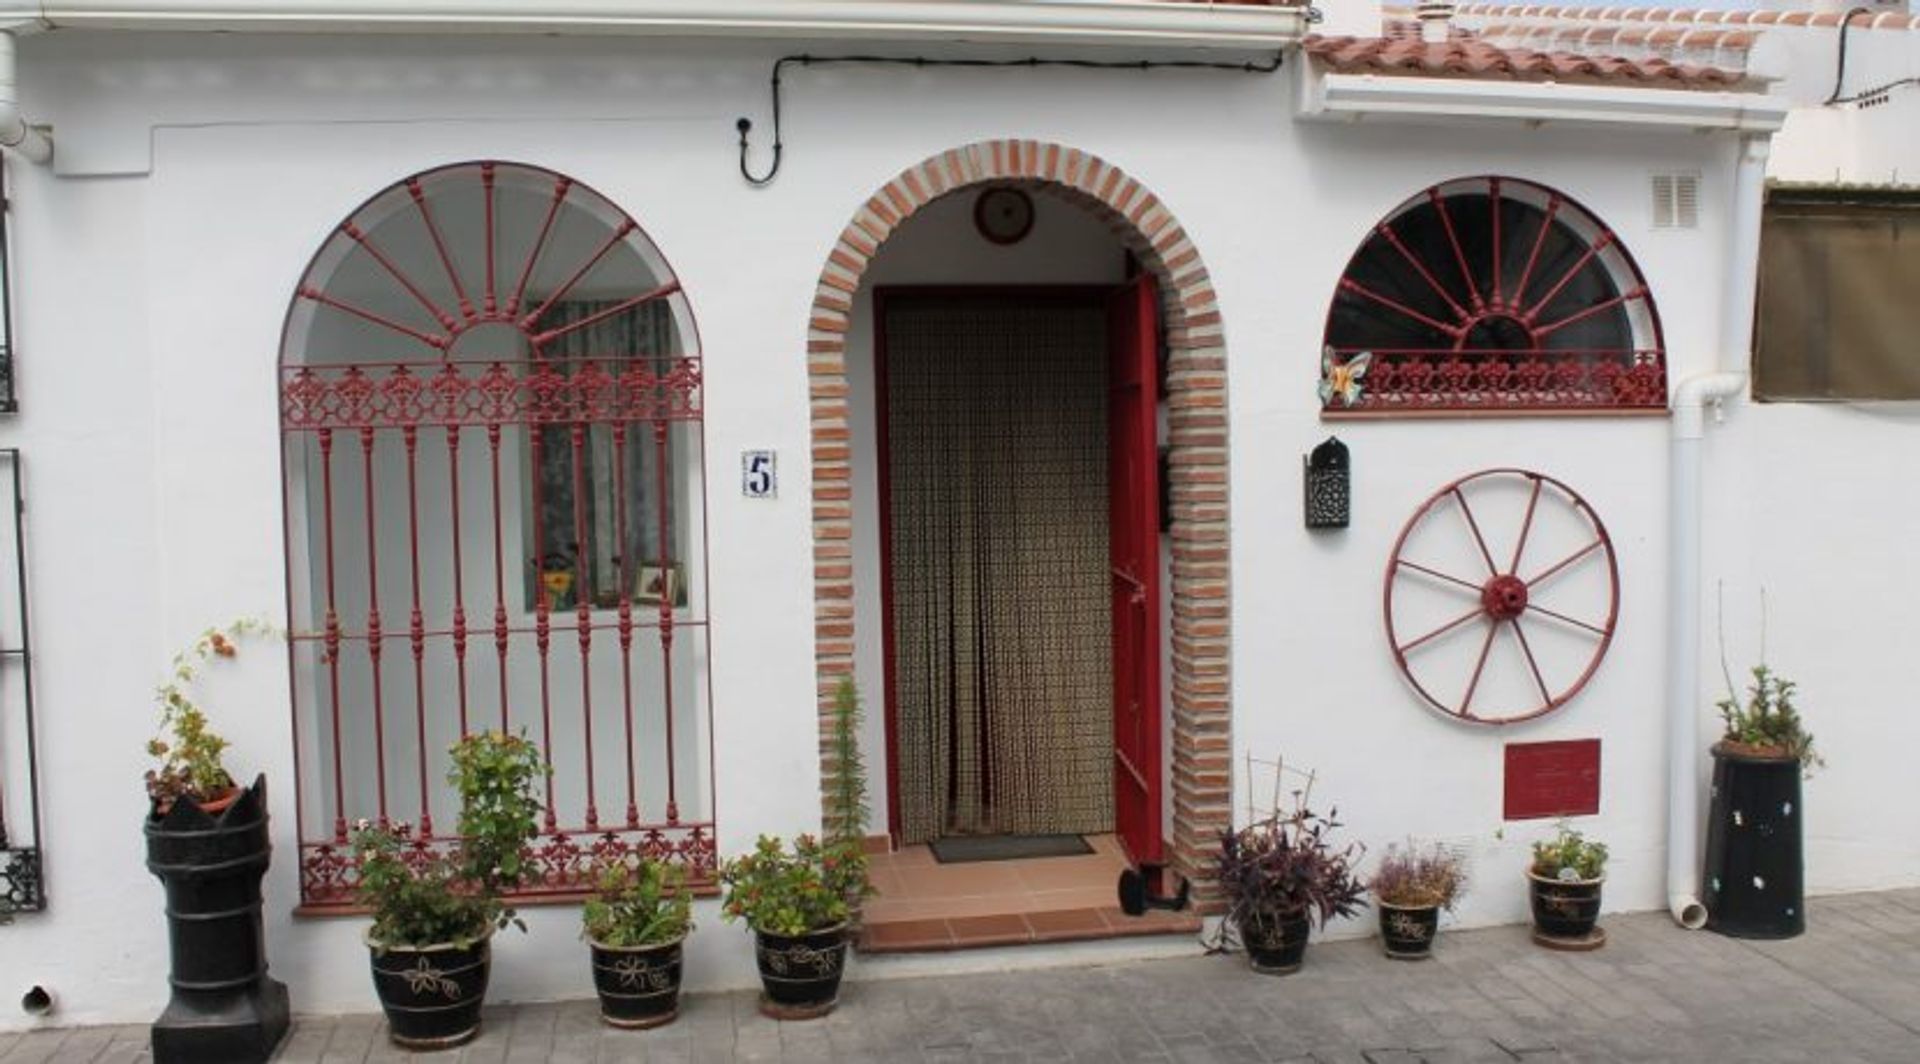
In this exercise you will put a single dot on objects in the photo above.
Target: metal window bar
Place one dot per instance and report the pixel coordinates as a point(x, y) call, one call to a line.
point(22, 883)
point(9, 403)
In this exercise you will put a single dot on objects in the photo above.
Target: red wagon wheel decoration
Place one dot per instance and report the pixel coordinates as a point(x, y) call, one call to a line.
point(1453, 559)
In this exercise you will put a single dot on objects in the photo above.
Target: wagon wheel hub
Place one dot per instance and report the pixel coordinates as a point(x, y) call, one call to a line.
point(1504, 597)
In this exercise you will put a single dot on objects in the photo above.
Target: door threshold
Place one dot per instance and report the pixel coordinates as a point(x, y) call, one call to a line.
point(939, 934)
point(925, 906)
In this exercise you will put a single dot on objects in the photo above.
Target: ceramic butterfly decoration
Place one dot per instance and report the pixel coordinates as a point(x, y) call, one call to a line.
point(1342, 379)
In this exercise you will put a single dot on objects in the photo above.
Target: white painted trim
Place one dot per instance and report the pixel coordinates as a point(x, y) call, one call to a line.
point(1096, 22)
point(1366, 97)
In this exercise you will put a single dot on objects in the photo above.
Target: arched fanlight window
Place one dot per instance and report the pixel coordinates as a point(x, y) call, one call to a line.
point(490, 409)
point(1492, 294)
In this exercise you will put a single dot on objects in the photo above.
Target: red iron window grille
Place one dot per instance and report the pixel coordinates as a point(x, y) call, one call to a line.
point(1492, 295)
point(490, 404)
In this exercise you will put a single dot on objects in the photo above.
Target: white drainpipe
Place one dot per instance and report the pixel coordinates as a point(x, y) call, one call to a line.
point(1690, 400)
point(16, 133)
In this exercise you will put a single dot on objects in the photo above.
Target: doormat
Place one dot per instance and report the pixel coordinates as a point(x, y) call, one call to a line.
point(958, 849)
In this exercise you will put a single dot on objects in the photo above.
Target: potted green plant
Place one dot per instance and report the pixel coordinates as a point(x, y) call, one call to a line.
point(189, 750)
point(1754, 868)
point(1564, 881)
point(434, 913)
point(1411, 887)
point(209, 845)
point(797, 905)
point(634, 924)
point(1281, 874)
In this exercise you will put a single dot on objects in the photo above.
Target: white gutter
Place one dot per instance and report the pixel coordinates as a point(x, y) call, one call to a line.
point(16, 133)
point(1690, 400)
point(1098, 22)
point(1373, 97)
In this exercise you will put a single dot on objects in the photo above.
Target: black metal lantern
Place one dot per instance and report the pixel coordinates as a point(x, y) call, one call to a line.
point(1328, 476)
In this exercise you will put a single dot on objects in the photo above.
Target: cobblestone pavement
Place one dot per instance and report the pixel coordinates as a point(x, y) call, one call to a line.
point(1848, 990)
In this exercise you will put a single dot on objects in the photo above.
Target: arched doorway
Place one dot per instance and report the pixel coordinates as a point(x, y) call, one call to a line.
point(1193, 723)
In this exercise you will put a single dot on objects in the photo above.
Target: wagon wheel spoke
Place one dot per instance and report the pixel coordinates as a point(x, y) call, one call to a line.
point(1526, 526)
point(1442, 630)
point(1466, 702)
point(1478, 539)
point(1438, 575)
point(1594, 628)
point(1532, 663)
point(1560, 565)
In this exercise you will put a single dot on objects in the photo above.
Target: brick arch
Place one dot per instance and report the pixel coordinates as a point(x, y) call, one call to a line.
point(1199, 750)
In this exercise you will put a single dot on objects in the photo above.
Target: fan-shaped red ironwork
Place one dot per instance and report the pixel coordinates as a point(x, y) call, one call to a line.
point(1492, 294)
point(1501, 591)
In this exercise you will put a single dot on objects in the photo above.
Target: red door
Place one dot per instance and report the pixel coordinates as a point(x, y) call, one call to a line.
point(1134, 521)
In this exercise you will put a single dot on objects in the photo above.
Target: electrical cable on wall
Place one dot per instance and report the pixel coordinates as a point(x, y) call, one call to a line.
point(1872, 97)
point(745, 125)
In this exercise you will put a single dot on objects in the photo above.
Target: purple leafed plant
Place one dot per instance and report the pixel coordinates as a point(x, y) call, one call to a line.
point(1284, 863)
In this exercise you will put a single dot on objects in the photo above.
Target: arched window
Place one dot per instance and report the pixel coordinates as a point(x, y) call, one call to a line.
point(490, 401)
point(1496, 295)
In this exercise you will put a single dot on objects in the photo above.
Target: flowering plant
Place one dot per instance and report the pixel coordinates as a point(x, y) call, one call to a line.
point(189, 750)
point(638, 905)
point(1286, 862)
point(785, 893)
point(1420, 876)
point(423, 897)
point(1569, 857)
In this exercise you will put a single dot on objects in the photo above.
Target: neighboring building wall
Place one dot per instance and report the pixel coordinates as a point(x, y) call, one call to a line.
point(198, 174)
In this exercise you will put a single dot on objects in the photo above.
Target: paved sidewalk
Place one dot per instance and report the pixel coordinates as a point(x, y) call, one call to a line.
point(1849, 990)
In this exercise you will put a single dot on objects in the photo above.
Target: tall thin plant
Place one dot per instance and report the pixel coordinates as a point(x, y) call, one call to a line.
point(847, 813)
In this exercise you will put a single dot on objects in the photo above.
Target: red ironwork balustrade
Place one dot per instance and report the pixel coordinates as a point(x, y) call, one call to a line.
point(1466, 381)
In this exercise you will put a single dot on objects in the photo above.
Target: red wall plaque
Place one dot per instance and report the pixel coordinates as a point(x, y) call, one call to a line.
point(1553, 779)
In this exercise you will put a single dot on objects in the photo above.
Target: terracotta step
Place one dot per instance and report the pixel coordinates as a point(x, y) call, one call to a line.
point(1015, 929)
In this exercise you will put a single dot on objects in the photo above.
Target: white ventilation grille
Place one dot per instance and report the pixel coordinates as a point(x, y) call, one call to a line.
point(1676, 201)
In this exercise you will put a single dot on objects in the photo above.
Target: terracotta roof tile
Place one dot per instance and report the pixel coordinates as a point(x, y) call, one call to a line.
point(1885, 20)
point(1473, 58)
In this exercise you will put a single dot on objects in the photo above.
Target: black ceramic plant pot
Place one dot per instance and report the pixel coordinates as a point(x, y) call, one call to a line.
point(1754, 873)
point(1276, 943)
point(639, 986)
point(800, 974)
point(431, 994)
point(1564, 912)
point(224, 1008)
point(1408, 931)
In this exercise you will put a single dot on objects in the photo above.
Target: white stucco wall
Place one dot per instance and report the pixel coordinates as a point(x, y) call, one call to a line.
point(198, 175)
